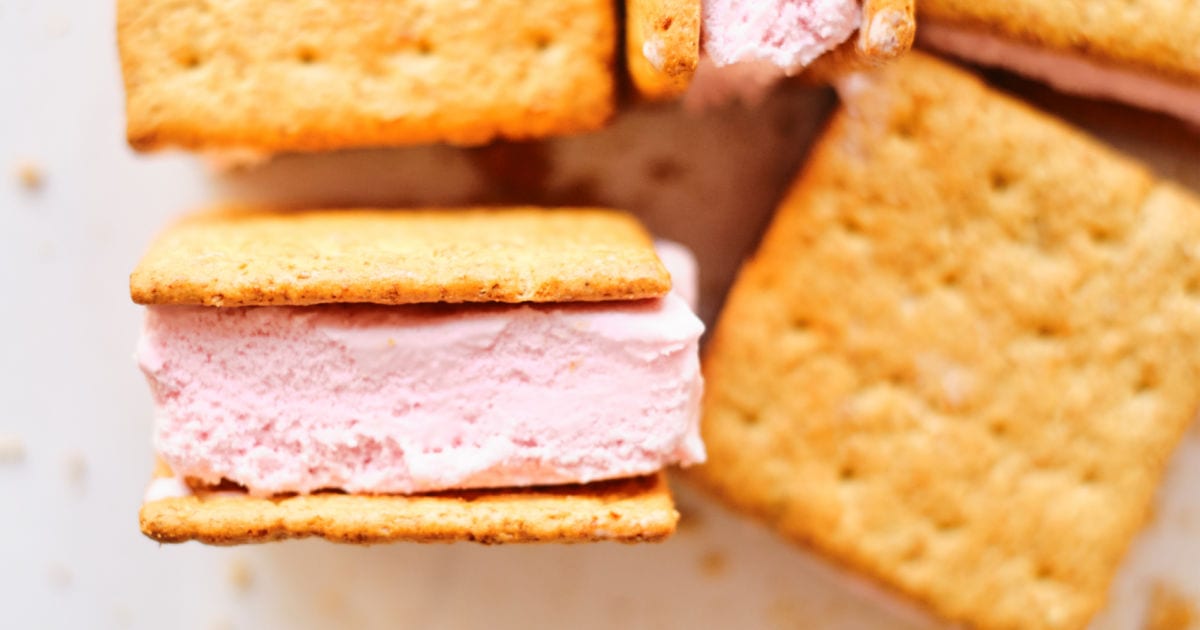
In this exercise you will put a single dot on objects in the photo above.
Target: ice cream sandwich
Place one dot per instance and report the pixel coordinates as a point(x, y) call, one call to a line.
point(498, 375)
point(311, 75)
point(740, 47)
point(963, 353)
point(1143, 53)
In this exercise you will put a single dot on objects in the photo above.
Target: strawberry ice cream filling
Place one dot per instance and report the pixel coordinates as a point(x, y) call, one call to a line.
point(749, 45)
point(786, 35)
point(405, 399)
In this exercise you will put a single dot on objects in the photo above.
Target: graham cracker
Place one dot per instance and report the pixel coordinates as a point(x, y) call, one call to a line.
point(627, 510)
point(248, 257)
point(963, 354)
point(888, 30)
point(662, 45)
point(1159, 36)
point(309, 75)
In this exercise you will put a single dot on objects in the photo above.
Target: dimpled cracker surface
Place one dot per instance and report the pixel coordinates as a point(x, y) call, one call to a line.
point(307, 75)
point(245, 257)
point(1158, 35)
point(662, 45)
point(627, 510)
point(963, 353)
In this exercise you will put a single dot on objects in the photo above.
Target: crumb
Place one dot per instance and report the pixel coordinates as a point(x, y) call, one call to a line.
point(57, 26)
point(664, 170)
point(122, 617)
point(786, 612)
point(30, 175)
point(1170, 610)
point(332, 603)
point(713, 563)
point(60, 576)
point(12, 449)
point(240, 575)
point(76, 470)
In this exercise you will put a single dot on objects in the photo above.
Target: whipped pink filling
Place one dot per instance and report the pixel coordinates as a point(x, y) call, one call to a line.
point(749, 45)
point(383, 399)
point(1066, 71)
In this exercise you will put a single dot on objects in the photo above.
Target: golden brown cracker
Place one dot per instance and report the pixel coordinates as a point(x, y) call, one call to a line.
point(963, 353)
point(888, 28)
point(662, 45)
point(887, 31)
point(308, 75)
point(260, 257)
point(626, 510)
point(1160, 36)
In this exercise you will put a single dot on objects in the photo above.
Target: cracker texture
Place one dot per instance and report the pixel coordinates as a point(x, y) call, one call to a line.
point(662, 45)
point(888, 30)
point(1161, 36)
point(627, 510)
point(963, 353)
point(309, 75)
point(253, 257)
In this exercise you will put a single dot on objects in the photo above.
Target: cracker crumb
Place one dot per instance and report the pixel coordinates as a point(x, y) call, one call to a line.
point(713, 563)
point(12, 449)
point(1170, 609)
point(60, 576)
point(57, 26)
point(664, 170)
point(30, 175)
point(786, 612)
point(240, 575)
point(332, 602)
point(122, 616)
point(75, 468)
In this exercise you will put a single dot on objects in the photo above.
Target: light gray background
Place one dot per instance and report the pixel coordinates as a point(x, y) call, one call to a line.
point(70, 552)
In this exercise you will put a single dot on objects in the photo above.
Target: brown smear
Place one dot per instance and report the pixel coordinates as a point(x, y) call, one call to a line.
point(713, 563)
point(516, 172)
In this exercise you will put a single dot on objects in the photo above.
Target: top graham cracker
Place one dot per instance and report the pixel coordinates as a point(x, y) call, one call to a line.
point(313, 75)
point(245, 257)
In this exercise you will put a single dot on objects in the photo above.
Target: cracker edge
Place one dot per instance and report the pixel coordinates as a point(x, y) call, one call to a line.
point(680, 45)
point(149, 285)
point(145, 136)
point(481, 516)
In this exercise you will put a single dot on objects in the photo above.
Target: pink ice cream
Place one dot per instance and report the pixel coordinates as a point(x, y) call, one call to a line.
point(785, 34)
point(748, 45)
point(1068, 72)
point(401, 399)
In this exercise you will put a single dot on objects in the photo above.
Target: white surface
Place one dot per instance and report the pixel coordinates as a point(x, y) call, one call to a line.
point(70, 552)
